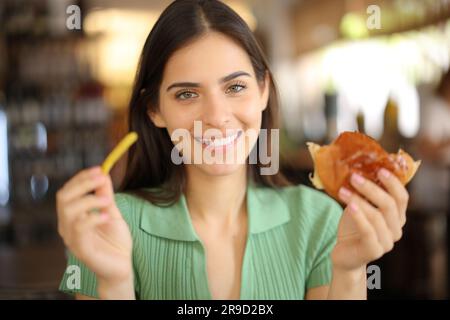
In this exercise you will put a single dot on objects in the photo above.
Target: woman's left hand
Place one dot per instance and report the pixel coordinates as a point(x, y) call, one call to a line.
point(369, 227)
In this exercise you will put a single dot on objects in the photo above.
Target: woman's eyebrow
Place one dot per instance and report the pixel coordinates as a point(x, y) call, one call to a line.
point(183, 85)
point(196, 84)
point(234, 75)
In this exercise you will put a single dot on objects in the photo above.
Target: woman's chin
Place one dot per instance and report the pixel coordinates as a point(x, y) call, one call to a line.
point(220, 169)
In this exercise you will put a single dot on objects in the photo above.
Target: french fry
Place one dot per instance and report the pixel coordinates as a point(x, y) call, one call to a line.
point(118, 151)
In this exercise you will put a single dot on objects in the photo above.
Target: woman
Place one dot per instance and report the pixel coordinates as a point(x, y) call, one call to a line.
point(202, 230)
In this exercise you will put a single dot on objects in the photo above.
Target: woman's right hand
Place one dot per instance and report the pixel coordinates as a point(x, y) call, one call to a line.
point(101, 240)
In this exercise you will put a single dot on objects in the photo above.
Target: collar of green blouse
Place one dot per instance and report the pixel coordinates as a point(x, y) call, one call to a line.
point(266, 210)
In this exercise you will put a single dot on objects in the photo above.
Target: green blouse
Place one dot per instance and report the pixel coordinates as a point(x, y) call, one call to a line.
point(292, 231)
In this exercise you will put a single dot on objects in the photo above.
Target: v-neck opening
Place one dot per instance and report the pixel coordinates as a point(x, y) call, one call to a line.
point(205, 279)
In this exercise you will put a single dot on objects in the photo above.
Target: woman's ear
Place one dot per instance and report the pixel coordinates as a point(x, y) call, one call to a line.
point(156, 118)
point(265, 91)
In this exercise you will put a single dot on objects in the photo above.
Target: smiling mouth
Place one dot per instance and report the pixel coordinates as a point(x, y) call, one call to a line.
point(219, 142)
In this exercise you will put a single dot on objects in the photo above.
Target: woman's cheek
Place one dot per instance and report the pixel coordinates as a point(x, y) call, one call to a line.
point(249, 112)
point(179, 118)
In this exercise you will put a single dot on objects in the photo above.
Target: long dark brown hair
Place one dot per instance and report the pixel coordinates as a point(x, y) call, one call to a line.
point(149, 164)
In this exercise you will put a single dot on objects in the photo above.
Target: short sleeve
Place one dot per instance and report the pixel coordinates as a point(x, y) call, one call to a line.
point(78, 278)
point(324, 239)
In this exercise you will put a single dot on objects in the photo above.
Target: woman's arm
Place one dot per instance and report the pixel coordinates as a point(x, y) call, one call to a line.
point(370, 225)
point(344, 285)
point(348, 285)
point(121, 290)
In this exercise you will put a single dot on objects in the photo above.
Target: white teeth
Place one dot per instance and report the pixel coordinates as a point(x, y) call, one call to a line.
point(218, 142)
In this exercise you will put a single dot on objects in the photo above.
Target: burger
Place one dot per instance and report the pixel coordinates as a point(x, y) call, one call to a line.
point(355, 152)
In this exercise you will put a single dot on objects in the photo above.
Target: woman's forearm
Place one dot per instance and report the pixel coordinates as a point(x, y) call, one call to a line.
point(121, 290)
point(349, 285)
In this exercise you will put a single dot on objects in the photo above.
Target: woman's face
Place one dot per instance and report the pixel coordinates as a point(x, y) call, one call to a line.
point(211, 104)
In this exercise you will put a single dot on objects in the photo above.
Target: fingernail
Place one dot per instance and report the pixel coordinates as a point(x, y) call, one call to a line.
point(354, 207)
point(384, 173)
point(357, 179)
point(344, 193)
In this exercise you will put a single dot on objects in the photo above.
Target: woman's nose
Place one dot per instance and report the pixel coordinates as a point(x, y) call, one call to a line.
point(216, 112)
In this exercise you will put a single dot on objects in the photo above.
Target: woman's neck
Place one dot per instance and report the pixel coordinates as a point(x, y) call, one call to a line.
point(219, 199)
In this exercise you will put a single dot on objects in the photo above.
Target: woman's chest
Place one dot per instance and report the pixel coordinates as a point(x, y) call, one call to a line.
point(224, 257)
point(259, 267)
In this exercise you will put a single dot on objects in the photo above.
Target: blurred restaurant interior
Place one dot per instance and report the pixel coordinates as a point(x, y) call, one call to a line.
point(64, 95)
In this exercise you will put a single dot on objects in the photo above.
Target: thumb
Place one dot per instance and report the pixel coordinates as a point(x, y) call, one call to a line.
point(107, 190)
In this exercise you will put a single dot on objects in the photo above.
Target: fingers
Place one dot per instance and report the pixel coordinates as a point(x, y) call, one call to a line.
point(382, 200)
point(375, 217)
point(397, 191)
point(78, 186)
point(74, 202)
point(83, 175)
point(107, 190)
point(77, 210)
point(90, 221)
point(369, 248)
point(384, 234)
point(86, 204)
point(82, 226)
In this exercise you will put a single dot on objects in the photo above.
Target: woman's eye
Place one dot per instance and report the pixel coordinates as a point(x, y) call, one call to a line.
point(186, 95)
point(235, 88)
